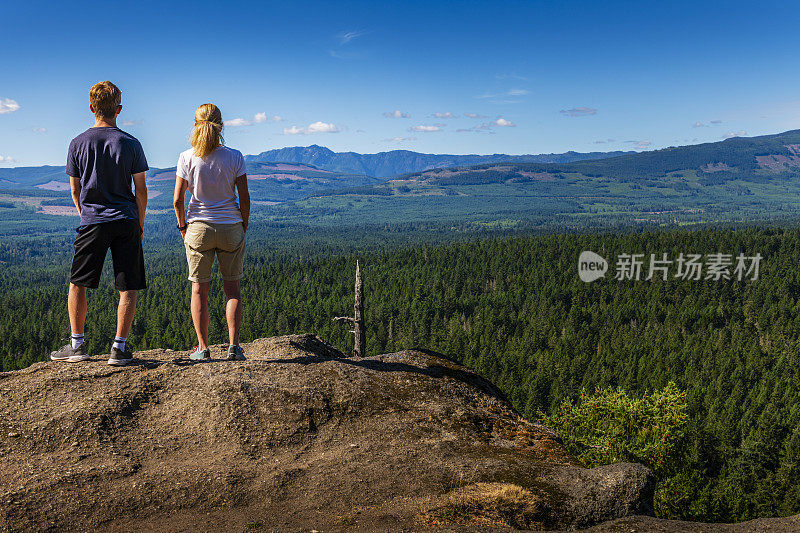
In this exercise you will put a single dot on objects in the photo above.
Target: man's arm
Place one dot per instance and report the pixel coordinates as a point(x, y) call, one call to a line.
point(244, 199)
point(178, 202)
point(75, 187)
point(141, 196)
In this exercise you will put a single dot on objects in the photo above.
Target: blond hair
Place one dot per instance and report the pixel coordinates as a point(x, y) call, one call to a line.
point(207, 133)
point(105, 97)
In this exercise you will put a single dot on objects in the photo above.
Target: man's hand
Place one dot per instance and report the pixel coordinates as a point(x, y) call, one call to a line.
point(75, 189)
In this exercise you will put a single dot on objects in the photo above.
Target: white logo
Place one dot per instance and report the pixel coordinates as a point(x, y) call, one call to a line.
point(591, 266)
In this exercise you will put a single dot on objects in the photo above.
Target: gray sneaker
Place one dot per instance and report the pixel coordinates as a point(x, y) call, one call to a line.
point(200, 355)
point(235, 353)
point(69, 354)
point(120, 358)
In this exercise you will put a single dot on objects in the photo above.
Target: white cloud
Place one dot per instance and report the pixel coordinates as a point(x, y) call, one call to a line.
point(503, 123)
point(400, 139)
point(699, 124)
point(237, 122)
point(578, 111)
point(258, 118)
point(423, 128)
point(39, 130)
point(447, 114)
point(130, 122)
point(517, 92)
point(7, 159)
point(294, 130)
point(731, 134)
point(7, 105)
point(474, 115)
point(314, 127)
point(396, 114)
point(322, 127)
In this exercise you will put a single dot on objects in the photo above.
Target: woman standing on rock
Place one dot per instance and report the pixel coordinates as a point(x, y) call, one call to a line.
point(214, 224)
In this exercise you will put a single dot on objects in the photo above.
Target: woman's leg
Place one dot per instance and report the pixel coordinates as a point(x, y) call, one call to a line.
point(200, 312)
point(233, 309)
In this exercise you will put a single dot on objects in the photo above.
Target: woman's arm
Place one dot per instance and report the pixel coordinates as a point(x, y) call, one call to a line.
point(244, 199)
point(178, 202)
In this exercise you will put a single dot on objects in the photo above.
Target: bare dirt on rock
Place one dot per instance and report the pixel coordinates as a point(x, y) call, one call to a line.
point(299, 437)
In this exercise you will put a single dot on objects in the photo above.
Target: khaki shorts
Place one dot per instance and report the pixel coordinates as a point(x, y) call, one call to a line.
point(204, 239)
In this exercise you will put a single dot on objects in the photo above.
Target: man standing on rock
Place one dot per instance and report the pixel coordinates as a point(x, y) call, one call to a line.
point(101, 163)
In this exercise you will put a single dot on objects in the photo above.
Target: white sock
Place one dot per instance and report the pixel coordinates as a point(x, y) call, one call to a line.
point(119, 342)
point(76, 339)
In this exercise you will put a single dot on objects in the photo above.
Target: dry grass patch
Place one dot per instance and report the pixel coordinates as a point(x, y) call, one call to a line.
point(491, 504)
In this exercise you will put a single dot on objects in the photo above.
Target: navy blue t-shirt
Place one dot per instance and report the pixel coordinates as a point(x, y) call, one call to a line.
point(105, 159)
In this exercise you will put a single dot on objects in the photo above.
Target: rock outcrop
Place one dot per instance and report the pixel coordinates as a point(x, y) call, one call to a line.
point(298, 437)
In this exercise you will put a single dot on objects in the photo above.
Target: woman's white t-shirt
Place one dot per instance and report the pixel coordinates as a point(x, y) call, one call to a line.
point(212, 183)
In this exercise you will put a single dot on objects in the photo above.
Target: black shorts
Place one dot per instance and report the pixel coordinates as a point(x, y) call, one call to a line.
point(91, 246)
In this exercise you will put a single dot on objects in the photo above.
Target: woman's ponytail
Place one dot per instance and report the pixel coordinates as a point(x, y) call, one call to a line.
point(207, 132)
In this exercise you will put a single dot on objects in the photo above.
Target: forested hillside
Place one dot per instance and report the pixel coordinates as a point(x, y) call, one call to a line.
point(515, 310)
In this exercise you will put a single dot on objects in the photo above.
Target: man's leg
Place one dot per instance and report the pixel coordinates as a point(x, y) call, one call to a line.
point(200, 312)
point(233, 309)
point(76, 306)
point(125, 311)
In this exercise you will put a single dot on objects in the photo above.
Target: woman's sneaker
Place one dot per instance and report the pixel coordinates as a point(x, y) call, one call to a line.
point(235, 353)
point(200, 355)
point(70, 354)
point(120, 358)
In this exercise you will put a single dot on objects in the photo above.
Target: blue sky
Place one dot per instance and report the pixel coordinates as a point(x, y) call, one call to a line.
point(503, 77)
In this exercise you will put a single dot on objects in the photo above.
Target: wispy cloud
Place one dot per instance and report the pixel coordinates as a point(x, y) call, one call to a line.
point(7, 105)
point(39, 130)
point(639, 145)
point(447, 114)
point(474, 115)
point(347, 36)
point(578, 112)
point(486, 127)
point(131, 122)
point(7, 159)
point(510, 77)
point(396, 114)
point(425, 128)
point(399, 139)
point(699, 124)
point(314, 127)
point(604, 141)
point(510, 92)
point(731, 134)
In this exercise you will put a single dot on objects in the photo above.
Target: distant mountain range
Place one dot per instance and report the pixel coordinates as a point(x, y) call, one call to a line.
point(740, 179)
point(737, 180)
point(396, 162)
